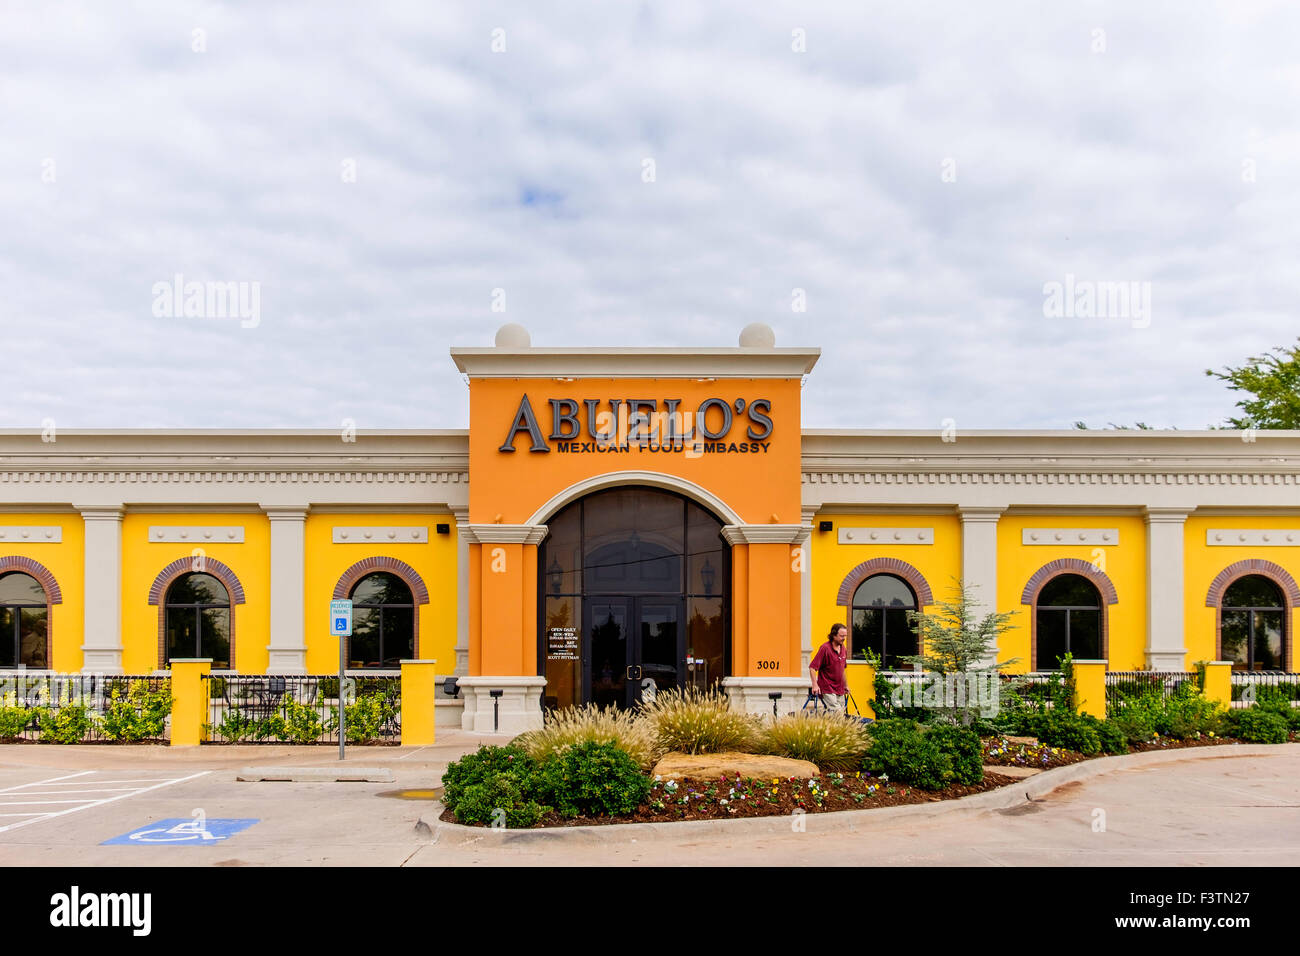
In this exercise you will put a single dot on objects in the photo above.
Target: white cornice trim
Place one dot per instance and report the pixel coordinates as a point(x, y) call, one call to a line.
point(1065, 536)
point(764, 533)
point(1252, 537)
point(505, 533)
point(1028, 477)
point(635, 363)
point(32, 534)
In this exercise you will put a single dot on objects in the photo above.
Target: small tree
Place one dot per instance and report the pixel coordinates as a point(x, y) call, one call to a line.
point(960, 649)
point(1273, 382)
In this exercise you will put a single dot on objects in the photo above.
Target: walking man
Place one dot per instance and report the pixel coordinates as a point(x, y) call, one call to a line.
point(827, 669)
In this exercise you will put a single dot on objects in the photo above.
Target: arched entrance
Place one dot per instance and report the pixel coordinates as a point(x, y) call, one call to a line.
point(634, 589)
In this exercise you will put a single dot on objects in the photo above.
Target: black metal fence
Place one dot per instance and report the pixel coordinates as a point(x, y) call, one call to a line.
point(302, 709)
point(1123, 686)
point(1249, 686)
point(79, 708)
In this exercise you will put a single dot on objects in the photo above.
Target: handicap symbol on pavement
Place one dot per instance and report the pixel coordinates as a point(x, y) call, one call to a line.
point(198, 830)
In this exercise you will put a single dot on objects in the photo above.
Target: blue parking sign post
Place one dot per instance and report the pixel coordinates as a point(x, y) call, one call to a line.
point(341, 627)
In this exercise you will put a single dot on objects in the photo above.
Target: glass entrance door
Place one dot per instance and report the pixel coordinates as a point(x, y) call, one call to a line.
point(635, 648)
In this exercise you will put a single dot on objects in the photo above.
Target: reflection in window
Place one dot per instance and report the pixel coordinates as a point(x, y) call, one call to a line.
point(880, 606)
point(383, 622)
point(24, 621)
point(197, 619)
point(1067, 620)
point(1254, 617)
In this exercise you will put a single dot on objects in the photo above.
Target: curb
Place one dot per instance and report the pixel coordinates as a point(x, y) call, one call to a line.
point(1012, 795)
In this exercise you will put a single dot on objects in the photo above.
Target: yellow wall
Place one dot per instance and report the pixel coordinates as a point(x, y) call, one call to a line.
point(326, 562)
point(66, 561)
point(143, 560)
point(938, 563)
point(1124, 564)
point(1202, 563)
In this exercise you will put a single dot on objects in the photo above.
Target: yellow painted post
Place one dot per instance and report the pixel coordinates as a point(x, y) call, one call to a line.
point(419, 693)
point(1090, 688)
point(189, 702)
point(1218, 683)
point(861, 679)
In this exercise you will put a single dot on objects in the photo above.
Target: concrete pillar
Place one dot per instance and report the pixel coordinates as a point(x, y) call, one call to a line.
point(1165, 649)
point(102, 640)
point(1089, 687)
point(463, 536)
point(288, 649)
point(419, 698)
point(189, 700)
point(979, 559)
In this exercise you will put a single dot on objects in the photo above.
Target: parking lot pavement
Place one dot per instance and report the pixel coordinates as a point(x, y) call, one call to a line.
point(1228, 810)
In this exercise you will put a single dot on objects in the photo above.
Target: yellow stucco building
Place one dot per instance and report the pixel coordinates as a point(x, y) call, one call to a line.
point(616, 521)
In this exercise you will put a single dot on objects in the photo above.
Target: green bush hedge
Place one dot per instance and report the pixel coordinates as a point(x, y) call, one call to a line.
point(1259, 725)
point(900, 750)
point(963, 746)
point(593, 779)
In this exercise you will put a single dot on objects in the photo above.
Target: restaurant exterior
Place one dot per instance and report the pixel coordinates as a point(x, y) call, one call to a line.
point(615, 522)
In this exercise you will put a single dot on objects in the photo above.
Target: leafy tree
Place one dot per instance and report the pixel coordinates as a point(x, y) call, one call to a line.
point(1274, 382)
point(954, 640)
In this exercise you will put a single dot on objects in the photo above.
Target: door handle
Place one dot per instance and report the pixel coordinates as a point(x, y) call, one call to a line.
point(630, 669)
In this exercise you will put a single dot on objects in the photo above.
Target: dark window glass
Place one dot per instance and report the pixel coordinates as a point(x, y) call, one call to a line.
point(705, 642)
point(1254, 624)
point(24, 621)
point(383, 622)
point(1254, 590)
point(562, 651)
point(879, 623)
point(634, 540)
point(1069, 590)
point(196, 620)
point(1051, 638)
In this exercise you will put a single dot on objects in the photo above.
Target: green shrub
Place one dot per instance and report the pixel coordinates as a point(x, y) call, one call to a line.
point(1278, 701)
point(499, 798)
point(13, 721)
point(591, 724)
point(963, 746)
point(135, 712)
point(698, 722)
point(593, 779)
point(1188, 715)
point(1066, 729)
point(69, 724)
point(1259, 725)
point(1113, 739)
point(300, 723)
point(367, 717)
point(831, 741)
point(477, 767)
point(900, 750)
point(1132, 723)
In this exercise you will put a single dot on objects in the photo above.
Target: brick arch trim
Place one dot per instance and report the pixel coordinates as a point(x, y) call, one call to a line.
point(183, 566)
point(1077, 566)
point(370, 565)
point(53, 594)
point(178, 568)
point(1274, 572)
point(914, 578)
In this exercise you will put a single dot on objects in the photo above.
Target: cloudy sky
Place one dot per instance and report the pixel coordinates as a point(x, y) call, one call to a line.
point(895, 183)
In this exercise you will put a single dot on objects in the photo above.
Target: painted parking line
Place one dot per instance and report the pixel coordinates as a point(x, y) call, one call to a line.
point(11, 796)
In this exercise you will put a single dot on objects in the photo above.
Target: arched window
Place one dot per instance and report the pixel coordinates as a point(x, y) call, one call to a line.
point(1254, 625)
point(880, 606)
point(197, 609)
point(24, 621)
point(1067, 619)
point(383, 622)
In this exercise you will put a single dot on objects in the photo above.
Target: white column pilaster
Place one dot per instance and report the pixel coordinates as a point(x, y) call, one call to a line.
point(287, 650)
point(808, 522)
point(979, 559)
point(1165, 650)
point(101, 646)
point(463, 535)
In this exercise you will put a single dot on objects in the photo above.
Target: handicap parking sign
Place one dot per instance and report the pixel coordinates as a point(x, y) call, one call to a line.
point(194, 831)
point(341, 618)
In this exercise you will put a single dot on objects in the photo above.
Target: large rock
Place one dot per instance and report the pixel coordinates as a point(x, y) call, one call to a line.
point(712, 766)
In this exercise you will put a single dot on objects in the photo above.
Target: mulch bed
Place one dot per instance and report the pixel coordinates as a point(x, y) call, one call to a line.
point(729, 798)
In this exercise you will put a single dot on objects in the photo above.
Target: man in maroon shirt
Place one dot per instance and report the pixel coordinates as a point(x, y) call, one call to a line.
point(827, 669)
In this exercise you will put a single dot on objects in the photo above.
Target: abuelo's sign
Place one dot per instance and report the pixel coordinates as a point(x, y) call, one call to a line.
point(605, 425)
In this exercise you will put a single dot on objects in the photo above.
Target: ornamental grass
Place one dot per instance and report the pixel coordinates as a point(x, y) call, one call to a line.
point(831, 741)
point(592, 724)
point(692, 721)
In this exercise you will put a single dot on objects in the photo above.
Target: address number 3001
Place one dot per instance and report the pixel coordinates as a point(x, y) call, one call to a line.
point(769, 665)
